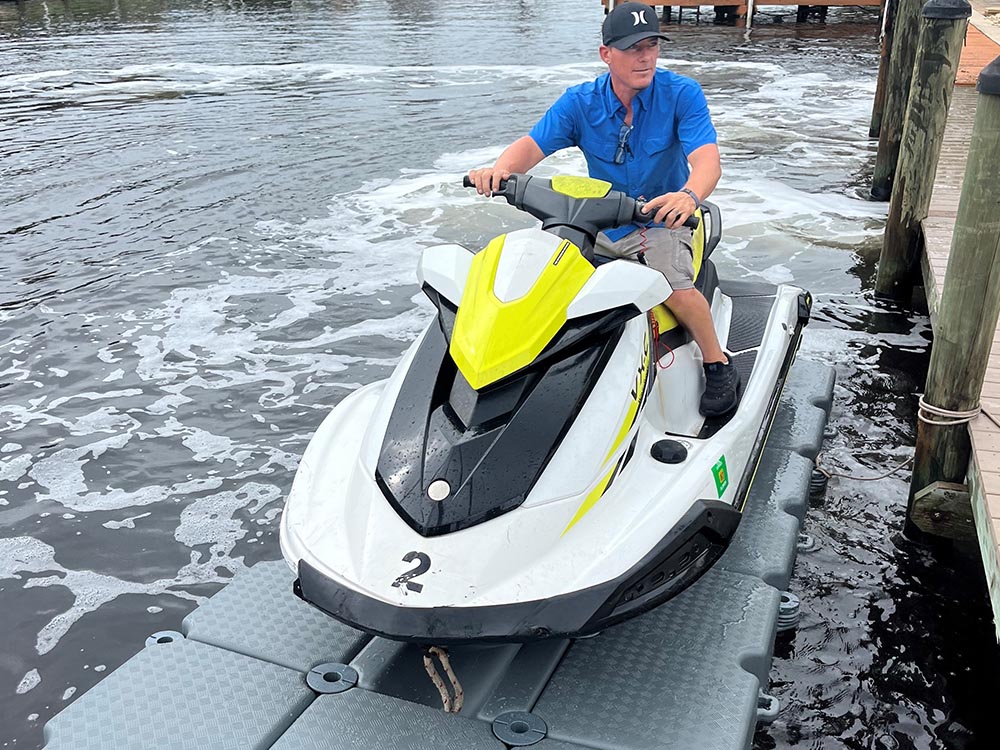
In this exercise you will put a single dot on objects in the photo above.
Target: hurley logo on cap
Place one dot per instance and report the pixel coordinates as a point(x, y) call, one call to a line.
point(629, 23)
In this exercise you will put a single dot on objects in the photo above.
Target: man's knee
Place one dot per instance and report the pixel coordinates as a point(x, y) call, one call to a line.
point(684, 299)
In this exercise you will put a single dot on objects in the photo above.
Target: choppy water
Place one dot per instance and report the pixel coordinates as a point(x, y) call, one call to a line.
point(211, 214)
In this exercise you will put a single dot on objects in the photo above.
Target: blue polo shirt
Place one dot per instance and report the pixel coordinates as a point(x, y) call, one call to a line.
point(669, 120)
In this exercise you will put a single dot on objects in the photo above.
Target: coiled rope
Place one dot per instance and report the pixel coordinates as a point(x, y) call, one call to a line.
point(947, 417)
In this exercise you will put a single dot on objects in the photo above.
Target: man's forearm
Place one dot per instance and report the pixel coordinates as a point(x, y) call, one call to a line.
point(520, 156)
point(706, 170)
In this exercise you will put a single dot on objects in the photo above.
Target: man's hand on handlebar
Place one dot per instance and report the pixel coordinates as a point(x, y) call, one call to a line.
point(487, 180)
point(671, 209)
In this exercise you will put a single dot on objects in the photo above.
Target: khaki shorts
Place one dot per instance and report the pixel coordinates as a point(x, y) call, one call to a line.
point(666, 250)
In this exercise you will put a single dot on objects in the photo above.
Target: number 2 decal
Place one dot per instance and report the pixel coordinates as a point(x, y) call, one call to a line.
point(405, 581)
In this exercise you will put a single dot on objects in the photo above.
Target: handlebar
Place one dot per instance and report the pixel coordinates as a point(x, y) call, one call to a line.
point(641, 217)
point(638, 215)
point(466, 182)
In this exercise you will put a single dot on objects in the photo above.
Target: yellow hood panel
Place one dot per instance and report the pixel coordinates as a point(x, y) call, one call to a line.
point(493, 339)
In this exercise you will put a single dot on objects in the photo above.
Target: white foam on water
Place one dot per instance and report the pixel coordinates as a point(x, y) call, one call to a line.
point(125, 523)
point(779, 273)
point(760, 70)
point(403, 327)
point(94, 396)
point(30, 681)
point(101, 86)
point(62, 475)
point(195, 334)
point(209, 520)
point(25, 558)
point(758, 200)
point(107, 419)
point(16, 79)
point(167, 404)
point(12, 469)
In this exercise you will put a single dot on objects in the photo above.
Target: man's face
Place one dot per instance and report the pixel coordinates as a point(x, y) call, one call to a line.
point(633, 67)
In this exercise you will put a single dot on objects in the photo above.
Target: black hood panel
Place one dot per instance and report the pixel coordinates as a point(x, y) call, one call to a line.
point(490, 446)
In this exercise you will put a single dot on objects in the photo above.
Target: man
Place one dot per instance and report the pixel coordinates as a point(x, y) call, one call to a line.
point(648, 132)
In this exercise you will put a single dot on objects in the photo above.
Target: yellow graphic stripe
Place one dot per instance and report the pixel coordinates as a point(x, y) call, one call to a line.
point(493, 339)
point(638, 399)
point(698, 240)
point(665, 319)
point(592, 498)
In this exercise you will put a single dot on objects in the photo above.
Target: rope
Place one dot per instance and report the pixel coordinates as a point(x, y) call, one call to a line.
point(991, 418)
point(886, 11)
point(826, 472)
point(949, 418)
point(452, 704)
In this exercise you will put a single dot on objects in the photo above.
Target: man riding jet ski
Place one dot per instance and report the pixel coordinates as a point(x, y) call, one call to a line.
point(537, 465)
point(649, 133)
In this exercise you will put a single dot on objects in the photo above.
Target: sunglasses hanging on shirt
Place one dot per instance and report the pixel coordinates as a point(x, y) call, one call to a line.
point(623, 147)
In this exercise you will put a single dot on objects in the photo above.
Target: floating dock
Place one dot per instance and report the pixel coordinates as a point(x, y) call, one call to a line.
point(255, 667)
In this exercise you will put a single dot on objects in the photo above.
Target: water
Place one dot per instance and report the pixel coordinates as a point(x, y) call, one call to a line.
point(211, 215)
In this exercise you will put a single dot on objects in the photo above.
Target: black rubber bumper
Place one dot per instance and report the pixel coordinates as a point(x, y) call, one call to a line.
point(675, 563)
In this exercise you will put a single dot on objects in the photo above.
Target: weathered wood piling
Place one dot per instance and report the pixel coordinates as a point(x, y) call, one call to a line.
point(939, 47)
point(887, 23)
point(906, 29)
point(966, 321)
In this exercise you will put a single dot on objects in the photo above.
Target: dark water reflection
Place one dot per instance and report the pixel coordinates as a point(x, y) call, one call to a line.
point(211, 216)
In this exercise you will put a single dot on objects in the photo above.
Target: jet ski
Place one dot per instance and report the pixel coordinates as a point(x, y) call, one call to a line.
point(536, 466)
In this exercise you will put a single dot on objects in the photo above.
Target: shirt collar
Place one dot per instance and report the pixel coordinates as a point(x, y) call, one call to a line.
point(614, 103)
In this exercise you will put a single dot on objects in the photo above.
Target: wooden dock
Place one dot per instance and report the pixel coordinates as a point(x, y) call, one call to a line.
point(740, 7)
point(982, 47)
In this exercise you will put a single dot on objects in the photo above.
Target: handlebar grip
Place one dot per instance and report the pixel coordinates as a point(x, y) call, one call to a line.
point(466, 182)
point(691, 222)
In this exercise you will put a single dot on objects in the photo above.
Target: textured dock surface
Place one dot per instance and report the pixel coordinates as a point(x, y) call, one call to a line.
point(685, 675)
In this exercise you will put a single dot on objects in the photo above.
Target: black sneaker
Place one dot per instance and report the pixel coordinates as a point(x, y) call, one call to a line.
point(722, 383)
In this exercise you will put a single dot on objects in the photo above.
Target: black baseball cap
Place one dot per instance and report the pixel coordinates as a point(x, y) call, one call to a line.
point(629, 23)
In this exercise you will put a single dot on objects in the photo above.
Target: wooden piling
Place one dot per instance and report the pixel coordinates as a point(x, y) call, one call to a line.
point(904, 45)
point(886, 18)
point(939, 48)
point(970, 303)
